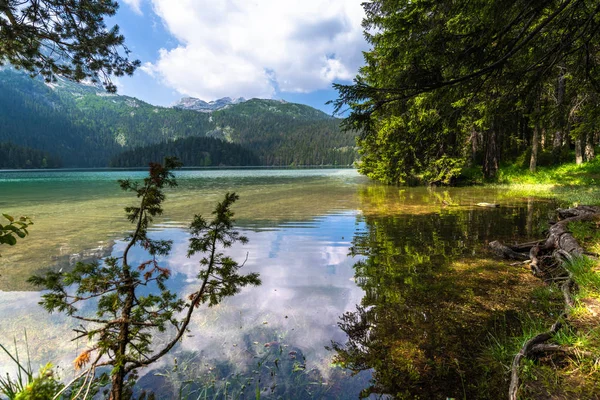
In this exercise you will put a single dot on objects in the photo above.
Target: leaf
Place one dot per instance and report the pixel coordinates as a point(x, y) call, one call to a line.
point(11, 228)
point(10, 240)
point(8, 217)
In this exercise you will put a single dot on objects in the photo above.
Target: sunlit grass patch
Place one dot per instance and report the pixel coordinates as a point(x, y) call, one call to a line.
point(587, 276)
point(569, 183)
point(587, 234)
point(564, 174)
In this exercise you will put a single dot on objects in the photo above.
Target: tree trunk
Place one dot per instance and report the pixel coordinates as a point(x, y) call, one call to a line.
point(474, 146)
point(116, 390)
point(118, 377)
point(578, 151)
point(589, 147)
point(543, 139)
point(534, 148)
point(561, 88)
point(490, 163)
point(535, 141)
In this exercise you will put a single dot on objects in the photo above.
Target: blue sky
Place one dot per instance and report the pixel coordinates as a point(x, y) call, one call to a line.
point(292, 50)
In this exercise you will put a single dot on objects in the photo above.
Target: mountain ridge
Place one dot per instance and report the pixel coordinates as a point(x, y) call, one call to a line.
point(195, 104)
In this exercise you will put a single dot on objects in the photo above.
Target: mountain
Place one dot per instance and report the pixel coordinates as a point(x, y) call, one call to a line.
point(194, 104)
point(83, 126)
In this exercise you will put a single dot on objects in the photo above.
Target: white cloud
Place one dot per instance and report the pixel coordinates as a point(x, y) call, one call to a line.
point(250, 48)
point(135, 5)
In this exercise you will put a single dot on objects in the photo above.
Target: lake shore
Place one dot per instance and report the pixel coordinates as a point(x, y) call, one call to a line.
point(422, 263)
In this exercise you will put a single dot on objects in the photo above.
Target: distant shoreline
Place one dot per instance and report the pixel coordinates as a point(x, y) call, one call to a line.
point(249, 167)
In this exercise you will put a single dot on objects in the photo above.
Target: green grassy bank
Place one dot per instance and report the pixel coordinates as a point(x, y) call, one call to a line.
point(574, 373)
point(569, 183)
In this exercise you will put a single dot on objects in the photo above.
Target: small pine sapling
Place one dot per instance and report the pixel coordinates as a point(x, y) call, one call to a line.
point(126, 320)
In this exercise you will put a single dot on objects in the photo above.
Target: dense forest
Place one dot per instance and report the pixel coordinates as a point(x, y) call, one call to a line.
point(192, 152)
point(18, 157)
point(453, 85)
point(87, 127)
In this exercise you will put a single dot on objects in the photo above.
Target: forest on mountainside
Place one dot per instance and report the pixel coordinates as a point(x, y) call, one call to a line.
point(18, 157)
point(87, 127)
point(453, 86)
point(192, 152)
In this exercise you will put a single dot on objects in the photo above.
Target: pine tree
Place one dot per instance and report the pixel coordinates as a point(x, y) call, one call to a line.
point(123, 327)
point(64, 37)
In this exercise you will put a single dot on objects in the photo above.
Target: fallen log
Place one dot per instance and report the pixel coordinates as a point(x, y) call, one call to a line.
point(578, 211)
point(521, 247)
point(507, 252)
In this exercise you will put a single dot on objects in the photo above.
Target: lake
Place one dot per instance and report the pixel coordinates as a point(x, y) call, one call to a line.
point(367, 289)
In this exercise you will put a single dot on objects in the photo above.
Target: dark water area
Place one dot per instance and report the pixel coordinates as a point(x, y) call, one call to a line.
point(368, 291)
point(435, 298)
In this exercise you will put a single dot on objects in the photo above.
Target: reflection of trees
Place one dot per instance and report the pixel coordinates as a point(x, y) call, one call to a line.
point(428, 306)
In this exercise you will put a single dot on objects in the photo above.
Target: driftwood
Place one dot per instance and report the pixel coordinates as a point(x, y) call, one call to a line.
point(491, 205)
point(547, 260)
point(565, 213)
point(507, 252)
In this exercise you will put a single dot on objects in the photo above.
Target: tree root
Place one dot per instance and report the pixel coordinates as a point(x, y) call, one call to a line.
point(507, 252)
point(547, 260)
point(526, 351)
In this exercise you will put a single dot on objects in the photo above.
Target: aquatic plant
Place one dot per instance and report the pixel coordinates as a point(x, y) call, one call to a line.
point(132, 302)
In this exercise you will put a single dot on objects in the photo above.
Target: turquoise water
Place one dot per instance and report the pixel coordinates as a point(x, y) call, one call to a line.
point(323, 241)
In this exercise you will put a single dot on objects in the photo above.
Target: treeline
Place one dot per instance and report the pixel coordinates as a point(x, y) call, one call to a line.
point(19, 157)
point(192, 152)
point(452, 85)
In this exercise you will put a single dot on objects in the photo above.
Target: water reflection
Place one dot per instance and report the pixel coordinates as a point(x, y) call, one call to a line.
point(432, 297)
point(76, 211)
point(426, 292)
point(275, 334)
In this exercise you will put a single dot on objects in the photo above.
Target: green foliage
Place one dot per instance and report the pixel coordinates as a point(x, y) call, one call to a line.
point(42, 387)
point(454, 84)
point(133, 302)
point(219, 274)
point(586, 276)
point(62, 37)
point(13, 229)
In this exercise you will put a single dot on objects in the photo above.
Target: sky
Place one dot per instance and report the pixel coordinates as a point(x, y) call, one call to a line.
point(280, 49)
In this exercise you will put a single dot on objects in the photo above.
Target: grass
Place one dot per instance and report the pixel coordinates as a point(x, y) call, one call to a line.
point(565, 174)
point(517, 174)
point(26, 386)
point(561, 376)
point(570, 184)
point(11, 387)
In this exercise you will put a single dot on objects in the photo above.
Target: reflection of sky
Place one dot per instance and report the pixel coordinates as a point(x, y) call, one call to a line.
point(307, 283)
